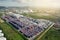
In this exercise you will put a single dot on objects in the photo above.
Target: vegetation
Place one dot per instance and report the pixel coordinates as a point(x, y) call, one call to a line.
point(38, 16)
point(52, 34)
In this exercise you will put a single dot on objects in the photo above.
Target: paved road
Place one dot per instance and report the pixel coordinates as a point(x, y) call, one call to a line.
point(44, 32)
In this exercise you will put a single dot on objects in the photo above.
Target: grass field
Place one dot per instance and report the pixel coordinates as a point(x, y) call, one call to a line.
point(38, 16)
point(52, 34)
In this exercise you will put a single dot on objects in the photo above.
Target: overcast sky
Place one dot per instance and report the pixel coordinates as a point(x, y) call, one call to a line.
point(36, 3)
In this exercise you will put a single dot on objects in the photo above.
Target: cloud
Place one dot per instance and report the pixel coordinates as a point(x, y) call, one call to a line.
point(24, 1)
point(40, 3)
point(8, 0)
point(12, 3)
point(2, 0)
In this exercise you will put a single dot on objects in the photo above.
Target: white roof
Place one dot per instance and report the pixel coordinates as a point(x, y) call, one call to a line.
point(18, 15)
point(0, 31)
point(2, 38)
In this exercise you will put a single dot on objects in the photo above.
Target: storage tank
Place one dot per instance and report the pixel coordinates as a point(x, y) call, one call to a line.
point(1, 34)
point(2, 38)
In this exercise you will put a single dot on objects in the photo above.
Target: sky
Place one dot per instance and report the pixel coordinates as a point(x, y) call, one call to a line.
point(34, 3)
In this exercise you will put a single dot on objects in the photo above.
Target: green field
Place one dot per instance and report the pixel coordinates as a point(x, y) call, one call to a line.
point(39, 16)
point(52, 34)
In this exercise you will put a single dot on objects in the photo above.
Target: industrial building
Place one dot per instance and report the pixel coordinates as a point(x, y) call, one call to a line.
point(27, 26)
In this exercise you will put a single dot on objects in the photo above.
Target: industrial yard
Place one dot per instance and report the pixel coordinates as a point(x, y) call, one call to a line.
point(29, 27)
